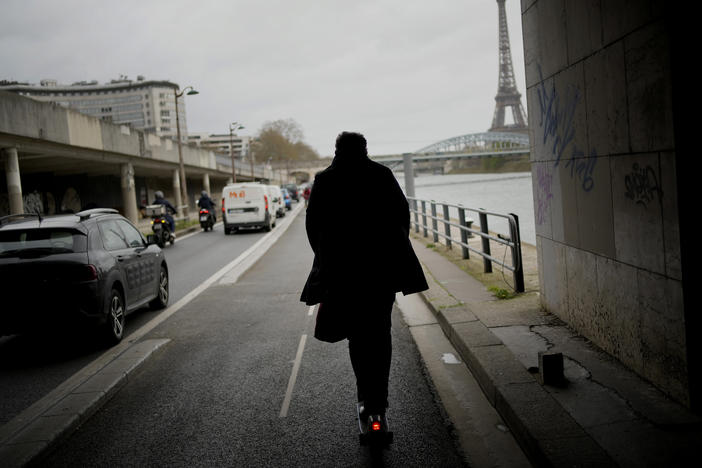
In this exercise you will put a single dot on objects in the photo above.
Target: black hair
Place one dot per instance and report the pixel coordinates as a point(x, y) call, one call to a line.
point(351, 145)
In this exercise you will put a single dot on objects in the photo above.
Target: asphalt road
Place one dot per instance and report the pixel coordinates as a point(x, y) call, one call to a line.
point(225, 392)
point(32, 366)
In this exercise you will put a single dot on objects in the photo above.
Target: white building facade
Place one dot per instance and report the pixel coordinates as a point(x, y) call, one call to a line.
point(147, 105)
point(222, 143)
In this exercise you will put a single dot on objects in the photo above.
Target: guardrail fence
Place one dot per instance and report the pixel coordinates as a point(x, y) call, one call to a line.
point(465, 228)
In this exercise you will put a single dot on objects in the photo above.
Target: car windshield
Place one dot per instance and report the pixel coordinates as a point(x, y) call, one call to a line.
point(23, 242)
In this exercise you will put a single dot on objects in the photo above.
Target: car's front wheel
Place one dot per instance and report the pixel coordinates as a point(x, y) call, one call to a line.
point(114, 324)
point(161, 300)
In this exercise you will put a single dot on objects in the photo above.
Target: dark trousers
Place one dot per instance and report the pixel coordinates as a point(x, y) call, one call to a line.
point(171, 222)
point(370, 349)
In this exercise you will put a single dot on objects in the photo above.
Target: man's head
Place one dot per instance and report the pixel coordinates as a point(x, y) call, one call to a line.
point(203, 193)
point(351, 145)
point(158, 194)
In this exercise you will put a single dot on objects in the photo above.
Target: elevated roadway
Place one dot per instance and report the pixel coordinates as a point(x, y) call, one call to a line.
point(56, 159)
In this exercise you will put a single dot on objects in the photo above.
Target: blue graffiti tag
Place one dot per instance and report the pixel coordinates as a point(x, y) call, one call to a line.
point(582, 168)
point(558, 122)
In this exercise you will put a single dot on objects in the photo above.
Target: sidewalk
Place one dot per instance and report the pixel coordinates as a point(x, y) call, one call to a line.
point(604, 415)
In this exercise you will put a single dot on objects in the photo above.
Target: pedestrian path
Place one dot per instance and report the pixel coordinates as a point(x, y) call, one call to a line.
point(603, 415)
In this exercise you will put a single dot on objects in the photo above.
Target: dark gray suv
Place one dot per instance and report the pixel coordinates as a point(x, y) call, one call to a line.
point(93, 266)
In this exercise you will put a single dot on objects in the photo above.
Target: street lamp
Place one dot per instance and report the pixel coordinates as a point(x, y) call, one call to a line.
point(232, 128)
point(269, 167)
point(253, 177)
point(183, 184)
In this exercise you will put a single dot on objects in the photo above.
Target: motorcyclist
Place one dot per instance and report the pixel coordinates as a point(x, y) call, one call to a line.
point(206, 203)
point(169, 209)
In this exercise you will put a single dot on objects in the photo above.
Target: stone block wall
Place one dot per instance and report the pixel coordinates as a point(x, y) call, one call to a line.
point(599, 98)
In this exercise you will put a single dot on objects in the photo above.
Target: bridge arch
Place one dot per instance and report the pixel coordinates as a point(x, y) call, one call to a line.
point(484, 140)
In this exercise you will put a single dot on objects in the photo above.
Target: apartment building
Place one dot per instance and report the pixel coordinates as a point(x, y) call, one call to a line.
point(147, 105)
point(222, 143)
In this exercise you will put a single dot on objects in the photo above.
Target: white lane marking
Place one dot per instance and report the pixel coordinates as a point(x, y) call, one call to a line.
point(449, 358)
point(311, 311)
point(233, 275)
point(209, 281)
point(293, 377)
point(63, 389)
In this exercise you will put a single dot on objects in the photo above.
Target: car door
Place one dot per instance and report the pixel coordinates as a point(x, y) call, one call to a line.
point(115, 242)
point(144, 263)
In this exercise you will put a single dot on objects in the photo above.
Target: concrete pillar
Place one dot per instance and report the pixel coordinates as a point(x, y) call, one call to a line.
point(129, 193)
point(14, 182)
point(409, 174)
point(176, 190)
point(206, 184)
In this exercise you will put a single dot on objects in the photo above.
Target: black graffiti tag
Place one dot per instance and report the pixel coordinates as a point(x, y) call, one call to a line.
point(642, 185)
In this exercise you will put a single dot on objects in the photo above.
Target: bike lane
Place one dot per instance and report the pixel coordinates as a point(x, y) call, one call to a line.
point(239, 380)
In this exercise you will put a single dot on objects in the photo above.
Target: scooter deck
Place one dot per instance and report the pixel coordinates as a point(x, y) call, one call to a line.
point(376, 438)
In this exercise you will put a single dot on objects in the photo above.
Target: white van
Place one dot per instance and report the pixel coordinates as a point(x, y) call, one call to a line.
point(247, 205)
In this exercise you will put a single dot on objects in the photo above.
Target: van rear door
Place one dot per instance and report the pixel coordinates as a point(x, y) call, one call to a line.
point(244, 204)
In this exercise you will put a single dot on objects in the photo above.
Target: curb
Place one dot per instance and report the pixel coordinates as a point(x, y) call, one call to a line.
point(546, 432)
point(30, 435)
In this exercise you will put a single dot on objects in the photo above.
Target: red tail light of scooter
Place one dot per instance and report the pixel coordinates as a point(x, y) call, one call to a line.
point(204, 211)
point(375, 426)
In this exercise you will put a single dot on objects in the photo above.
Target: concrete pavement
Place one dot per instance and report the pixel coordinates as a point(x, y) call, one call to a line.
point(29, 435)
point(602, 415)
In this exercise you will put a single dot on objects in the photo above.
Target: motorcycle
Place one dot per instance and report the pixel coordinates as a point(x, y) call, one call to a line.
point(206, 219)
point(160, 225)
point(162, 230)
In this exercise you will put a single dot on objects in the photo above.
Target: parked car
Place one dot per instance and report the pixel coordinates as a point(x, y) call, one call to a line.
point(65, 270)
point(287, 199)
point(247, 205)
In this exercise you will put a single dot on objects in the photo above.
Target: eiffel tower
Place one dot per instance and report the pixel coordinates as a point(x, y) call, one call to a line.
point(507, 94)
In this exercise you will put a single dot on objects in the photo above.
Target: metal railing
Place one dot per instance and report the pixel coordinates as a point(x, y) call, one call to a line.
point(465, 227)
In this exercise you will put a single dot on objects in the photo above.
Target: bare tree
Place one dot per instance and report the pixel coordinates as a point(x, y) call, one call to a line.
point(282, 140)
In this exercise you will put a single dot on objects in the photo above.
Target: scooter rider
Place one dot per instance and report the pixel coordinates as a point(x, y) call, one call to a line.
point(205, 202)
point(169, 209)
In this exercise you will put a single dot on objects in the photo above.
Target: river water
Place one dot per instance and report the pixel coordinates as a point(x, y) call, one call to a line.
point(500, 193)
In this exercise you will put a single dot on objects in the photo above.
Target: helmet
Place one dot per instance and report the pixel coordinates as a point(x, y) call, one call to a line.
point(158, 194)
point(203, 193)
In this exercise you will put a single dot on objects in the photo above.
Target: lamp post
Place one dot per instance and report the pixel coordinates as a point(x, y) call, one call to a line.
point(253, 177)
point(232, 128)
point(183, 184)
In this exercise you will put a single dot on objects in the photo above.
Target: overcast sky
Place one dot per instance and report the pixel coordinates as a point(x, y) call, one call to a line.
point(405, 73)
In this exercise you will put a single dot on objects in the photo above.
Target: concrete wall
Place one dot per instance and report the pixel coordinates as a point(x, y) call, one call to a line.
point(599, 95)
point(26, 117)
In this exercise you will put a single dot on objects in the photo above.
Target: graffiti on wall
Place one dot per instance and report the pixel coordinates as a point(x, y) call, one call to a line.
point(544, 194)
point(582, 167)
point(557, 120)
point(642, 185)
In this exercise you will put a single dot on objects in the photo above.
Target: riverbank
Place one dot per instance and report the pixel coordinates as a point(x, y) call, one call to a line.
point(492, 164)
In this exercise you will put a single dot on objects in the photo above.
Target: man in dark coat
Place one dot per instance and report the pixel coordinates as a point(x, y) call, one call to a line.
point(360, 263)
